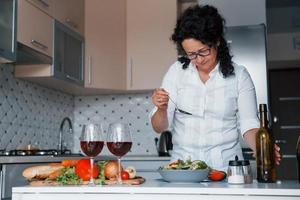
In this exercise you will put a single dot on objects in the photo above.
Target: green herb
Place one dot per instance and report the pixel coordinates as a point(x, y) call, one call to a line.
point(101, 177)
point(68, 177)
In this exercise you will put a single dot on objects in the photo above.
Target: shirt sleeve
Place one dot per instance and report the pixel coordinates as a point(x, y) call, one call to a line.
point(247, 105)
point(169, 84)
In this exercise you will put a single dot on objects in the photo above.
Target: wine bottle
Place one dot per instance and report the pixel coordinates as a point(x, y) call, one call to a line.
point(265, 160)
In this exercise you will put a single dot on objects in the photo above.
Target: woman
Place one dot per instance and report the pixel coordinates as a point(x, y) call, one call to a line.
point(212, 99)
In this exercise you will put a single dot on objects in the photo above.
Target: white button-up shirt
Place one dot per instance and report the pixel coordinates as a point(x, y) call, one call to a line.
point(222, 108)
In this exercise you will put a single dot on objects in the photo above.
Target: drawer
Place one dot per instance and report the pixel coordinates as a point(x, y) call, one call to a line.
point(44, 5)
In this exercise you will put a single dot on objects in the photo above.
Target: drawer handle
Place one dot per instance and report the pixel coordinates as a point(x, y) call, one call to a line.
point(280, 141)
point(45, 4)
point(38, 45)
point(71, 78)
point(71, 23)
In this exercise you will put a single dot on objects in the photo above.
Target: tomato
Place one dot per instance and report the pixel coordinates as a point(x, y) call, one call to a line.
point(215, 175)
point(124, 175)
point(83, 169)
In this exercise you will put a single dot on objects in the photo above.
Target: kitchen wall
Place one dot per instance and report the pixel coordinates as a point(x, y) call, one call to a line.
point(133, 109)
point(31, 114)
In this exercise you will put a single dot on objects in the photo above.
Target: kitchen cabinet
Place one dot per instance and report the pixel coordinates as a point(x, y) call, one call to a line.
point(70, 13)
point(8, 31)
point(44, 5)
point(68, 54)
point(127, 43)
point(67, 66)
point(35, 28)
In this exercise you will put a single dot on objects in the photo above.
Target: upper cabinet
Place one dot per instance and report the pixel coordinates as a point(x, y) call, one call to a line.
point(35, 28)
point(128, 43)
point(8, 31)
point(70, 13)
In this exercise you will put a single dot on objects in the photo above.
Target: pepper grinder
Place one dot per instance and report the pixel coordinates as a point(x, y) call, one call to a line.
point(235, 172)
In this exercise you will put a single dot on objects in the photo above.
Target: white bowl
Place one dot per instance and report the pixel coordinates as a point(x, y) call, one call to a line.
point(184, 176)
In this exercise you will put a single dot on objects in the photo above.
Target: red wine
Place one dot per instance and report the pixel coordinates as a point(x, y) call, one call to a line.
point(119, 148)
point(91, 148)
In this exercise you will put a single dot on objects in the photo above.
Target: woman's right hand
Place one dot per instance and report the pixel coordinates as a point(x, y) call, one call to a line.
point(160, 98)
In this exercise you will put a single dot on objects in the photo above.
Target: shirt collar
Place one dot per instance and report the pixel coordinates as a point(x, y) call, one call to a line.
point(211, 74)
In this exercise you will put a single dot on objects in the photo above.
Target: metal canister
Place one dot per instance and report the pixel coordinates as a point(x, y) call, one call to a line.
point(248, 178)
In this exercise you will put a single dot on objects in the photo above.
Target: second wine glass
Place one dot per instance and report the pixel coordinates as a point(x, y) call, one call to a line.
point(119, 142)
point(91, 143)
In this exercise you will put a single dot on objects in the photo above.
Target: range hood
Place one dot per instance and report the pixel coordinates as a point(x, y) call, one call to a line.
point(29, 56)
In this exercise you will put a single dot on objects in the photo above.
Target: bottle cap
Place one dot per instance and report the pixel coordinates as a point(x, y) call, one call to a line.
point(263, 107)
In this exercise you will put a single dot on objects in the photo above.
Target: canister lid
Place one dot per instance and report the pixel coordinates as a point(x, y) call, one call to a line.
point(245, 162)
point(235, 162)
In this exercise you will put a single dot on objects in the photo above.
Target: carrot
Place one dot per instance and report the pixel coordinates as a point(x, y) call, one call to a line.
point(69, 163)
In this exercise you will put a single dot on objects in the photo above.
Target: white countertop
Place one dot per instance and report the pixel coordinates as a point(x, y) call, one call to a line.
point(45, 159)
point(158, 186)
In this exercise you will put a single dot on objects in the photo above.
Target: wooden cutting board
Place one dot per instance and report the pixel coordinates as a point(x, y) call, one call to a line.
point(135, 181)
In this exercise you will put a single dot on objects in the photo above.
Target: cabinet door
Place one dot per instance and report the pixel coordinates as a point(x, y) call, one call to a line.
point(35, 28)
point(7, 30)
point(45, 5)
point(149, 49)
point(70, 13)
point(105, 45)
point(68, 54)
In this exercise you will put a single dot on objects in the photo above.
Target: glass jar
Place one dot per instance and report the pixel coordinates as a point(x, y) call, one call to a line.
point(235, 172)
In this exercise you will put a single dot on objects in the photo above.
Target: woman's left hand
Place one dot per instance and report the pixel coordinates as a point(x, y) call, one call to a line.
point(277, 154)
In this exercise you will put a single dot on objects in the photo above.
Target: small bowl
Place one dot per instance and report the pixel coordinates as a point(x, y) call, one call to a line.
point(184, 176)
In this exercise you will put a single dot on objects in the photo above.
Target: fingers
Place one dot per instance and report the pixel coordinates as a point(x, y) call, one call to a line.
point(160, 98)
point(277, 154)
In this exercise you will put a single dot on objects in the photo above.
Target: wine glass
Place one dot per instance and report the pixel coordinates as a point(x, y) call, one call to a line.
point(91, 143)
point(118, 142)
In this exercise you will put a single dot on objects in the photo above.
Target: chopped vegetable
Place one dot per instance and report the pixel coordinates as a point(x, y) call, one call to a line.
point(69, 163)
point(185, 165)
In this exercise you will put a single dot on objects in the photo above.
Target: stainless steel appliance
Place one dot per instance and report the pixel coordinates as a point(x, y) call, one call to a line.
point(248, 47)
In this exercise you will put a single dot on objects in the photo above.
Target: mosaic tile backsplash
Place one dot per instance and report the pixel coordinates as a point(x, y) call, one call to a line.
point(132, 109)
point(31, 114)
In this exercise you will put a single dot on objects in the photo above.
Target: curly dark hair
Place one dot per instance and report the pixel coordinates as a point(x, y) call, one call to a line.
point(203, 23)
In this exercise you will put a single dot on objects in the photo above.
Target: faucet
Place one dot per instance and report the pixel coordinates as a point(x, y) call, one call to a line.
point(60, 142)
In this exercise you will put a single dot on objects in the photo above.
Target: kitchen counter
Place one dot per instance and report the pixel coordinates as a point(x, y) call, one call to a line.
point(159, 189)
point(46, 159)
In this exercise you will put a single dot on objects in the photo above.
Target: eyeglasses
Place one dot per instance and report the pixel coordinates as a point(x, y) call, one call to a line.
point(201, 53)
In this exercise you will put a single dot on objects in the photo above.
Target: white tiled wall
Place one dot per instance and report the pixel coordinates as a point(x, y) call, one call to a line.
point(132, 109)
point(31, 114)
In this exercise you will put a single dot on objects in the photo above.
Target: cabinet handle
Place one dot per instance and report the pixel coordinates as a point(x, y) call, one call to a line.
point(71, 78)
point(90, 70)
point(275, 119)
point(280, 141)
point(13, 41)
point(71, 23)
point(38, 45)
point(131, 72)
point(45, 4)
